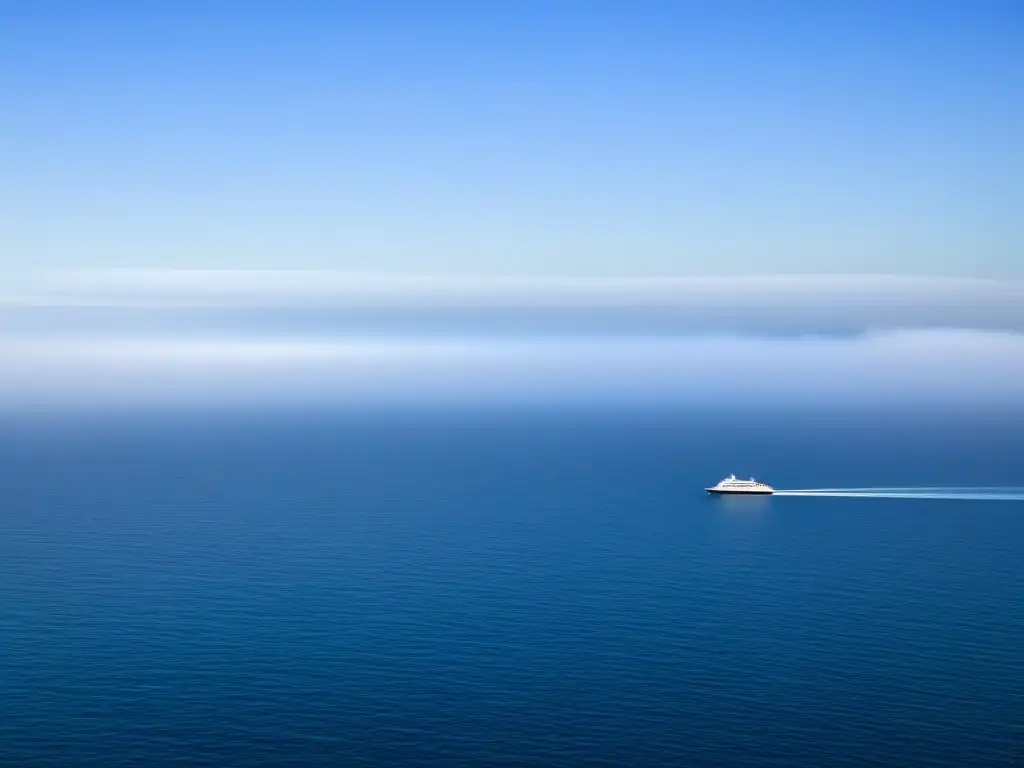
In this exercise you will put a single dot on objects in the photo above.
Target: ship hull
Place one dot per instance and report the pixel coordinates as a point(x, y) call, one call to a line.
point(730, 492)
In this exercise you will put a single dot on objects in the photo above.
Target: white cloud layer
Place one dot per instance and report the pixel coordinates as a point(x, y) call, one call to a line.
point(254, 302)
point(296, 337)
point(922, 366)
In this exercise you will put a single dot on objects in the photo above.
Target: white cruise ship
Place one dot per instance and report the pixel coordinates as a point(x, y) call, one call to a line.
point(732, 485)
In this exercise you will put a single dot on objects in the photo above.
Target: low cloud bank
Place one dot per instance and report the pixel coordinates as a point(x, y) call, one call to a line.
point(912, 366)
point(294, 338)
point(241, 301)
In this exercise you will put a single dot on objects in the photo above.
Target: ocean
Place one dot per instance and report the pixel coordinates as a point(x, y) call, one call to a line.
point(517, 587)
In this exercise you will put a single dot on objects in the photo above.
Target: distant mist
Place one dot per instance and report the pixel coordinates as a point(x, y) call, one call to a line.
point(938, 366)
point(117, 338)
point(315, 302)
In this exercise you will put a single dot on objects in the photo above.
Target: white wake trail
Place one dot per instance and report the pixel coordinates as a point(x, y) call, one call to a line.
point(920, 492)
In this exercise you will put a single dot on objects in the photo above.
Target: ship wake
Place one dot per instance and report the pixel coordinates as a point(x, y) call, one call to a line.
point(919, 492)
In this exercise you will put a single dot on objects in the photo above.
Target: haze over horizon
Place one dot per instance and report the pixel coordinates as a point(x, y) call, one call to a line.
point(300, 338)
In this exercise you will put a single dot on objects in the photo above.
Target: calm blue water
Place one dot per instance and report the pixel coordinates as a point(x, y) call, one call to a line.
point(508, 589)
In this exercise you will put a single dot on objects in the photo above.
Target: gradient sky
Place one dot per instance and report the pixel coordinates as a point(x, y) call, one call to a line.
point(528, 138)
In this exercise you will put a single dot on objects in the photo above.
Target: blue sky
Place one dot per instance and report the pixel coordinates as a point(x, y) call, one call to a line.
point(578, 139)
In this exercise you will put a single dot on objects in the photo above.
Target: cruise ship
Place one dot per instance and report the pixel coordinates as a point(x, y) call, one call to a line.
point(732, 485)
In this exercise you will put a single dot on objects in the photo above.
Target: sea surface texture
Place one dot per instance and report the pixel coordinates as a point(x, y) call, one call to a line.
point(506, 589)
